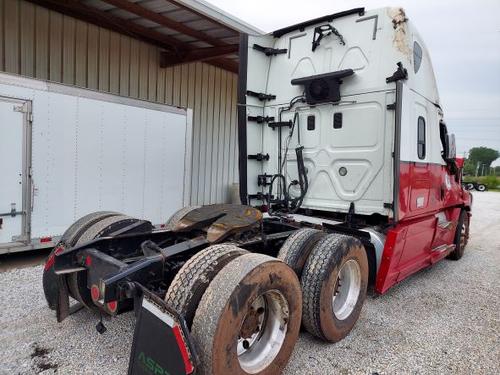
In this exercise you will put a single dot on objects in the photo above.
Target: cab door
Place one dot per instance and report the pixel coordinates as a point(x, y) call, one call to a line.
point(418, 199)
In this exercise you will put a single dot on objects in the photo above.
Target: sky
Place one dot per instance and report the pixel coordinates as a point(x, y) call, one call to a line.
point(463, 39)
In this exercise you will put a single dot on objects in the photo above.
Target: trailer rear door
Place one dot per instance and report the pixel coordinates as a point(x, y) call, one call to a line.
point(12, 122)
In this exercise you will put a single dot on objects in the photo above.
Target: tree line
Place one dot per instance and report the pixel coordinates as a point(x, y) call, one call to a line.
point(478, 163)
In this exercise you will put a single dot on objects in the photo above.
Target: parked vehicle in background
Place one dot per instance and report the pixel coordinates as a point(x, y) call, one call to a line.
point(348, 178)
point(66, 152)
point(474, 186)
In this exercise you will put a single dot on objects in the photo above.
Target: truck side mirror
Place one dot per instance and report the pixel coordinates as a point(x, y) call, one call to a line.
point(451, 149)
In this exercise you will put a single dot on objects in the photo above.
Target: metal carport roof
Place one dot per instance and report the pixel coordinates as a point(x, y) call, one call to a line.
point(187, 30)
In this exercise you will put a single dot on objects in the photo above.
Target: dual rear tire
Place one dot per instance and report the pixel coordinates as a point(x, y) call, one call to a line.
point(68, 239)
point(87, 228)
point(333, 270)
point(244, 310)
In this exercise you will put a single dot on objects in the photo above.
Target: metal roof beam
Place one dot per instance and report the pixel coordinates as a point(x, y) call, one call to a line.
point(226, 64)
point(169, 59)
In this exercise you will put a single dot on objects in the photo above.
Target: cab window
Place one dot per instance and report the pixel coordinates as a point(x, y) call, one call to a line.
point(421, 138)
point(417, 56)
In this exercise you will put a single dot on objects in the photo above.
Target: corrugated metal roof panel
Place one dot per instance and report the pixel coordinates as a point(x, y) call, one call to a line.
point(180, 37)
point(201, 24)
point(146, 23)
point(200, 44)
point(219, 32)
point(158, 6)
point(123, 14)
point(181, 15)
point(98, 4)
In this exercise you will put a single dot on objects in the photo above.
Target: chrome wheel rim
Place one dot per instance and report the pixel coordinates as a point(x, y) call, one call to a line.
point(262, 332)
point(347, 290)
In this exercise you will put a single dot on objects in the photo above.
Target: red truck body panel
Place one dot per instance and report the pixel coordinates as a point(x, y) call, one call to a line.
point(430, 201)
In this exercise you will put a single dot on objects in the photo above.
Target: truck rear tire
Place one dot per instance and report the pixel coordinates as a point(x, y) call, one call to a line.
point(298, 246)
point(481, 187)
point(189, 284)
point(68, 239)
point(461, 236)
point(77, 281)
point(334, 283)
point(73, 233)
point(178, 215)
point(248, 320)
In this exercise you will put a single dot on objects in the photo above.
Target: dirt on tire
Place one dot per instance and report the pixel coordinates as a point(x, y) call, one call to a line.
point(189, 284)
point(319, 284)
point(296, 249)
point(224, 306)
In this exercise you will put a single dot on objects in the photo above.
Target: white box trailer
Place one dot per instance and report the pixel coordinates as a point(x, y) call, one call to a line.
point(65, 152)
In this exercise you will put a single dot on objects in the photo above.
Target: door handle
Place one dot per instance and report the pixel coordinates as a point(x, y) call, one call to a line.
point(34, 191)
point(13, 212)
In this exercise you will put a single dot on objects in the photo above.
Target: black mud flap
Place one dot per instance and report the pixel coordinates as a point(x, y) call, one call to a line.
point(161, 344)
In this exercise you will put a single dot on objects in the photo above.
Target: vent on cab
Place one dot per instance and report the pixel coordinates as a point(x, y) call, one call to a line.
point(323, 88)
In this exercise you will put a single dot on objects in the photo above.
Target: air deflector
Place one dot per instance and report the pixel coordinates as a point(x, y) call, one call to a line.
point(323, 88)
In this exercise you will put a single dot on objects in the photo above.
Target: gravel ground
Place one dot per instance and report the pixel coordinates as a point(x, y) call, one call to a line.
point(445, 319)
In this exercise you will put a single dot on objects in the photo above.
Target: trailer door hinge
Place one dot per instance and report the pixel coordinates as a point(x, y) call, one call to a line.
point(20, 108)
point(268, 51)
point(260, 95)
point(391, 107)
point(388, 205)
point(260, 119)
point(400, 73)
point(281, 124)
point(259, 157)
point(24, 109)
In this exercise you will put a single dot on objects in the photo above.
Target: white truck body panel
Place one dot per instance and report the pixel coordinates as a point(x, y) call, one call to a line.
point(89, 152)
point(371, 44)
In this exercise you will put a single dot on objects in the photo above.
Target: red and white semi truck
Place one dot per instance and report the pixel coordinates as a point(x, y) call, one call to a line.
point(348, 179)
